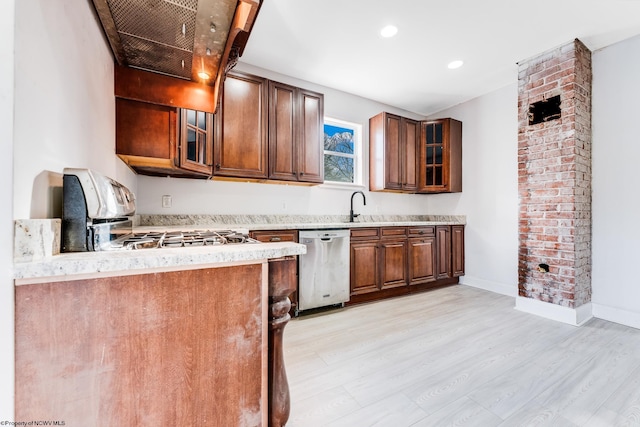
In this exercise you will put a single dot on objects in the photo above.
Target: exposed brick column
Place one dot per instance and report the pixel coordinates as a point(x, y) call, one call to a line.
point(554, 178)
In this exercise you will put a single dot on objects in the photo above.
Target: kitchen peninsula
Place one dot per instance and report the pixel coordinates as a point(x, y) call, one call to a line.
point(143, 337)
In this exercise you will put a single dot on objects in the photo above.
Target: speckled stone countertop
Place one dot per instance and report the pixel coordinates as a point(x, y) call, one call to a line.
point(298, 222)
point(37, 242)
point(94, 263)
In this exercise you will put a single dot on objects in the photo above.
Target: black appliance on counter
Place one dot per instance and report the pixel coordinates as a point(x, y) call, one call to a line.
point(95, 211)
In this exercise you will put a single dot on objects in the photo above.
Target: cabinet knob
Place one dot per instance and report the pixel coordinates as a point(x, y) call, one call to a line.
point(218, 166)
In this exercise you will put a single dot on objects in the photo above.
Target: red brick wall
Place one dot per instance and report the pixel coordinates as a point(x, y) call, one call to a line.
point(554, 178)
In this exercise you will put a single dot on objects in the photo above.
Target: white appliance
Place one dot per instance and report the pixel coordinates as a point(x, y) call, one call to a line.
point(324, 269)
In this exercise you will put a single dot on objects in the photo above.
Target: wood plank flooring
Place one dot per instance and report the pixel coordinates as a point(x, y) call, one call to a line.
point(459, 356)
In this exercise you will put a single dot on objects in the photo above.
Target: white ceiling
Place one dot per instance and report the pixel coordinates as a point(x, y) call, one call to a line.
point(336, 43)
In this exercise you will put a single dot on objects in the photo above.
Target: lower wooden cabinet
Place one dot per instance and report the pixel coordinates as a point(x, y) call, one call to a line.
point(393, 254)
point(422, 255)
point(364, 267)
point(391, 261)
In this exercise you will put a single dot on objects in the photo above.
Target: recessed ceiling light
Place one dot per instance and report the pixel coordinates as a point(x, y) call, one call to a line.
point(389, 31)
point(455, 64)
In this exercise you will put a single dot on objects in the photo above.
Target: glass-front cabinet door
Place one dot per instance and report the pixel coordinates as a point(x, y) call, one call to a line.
point(434, 155)
point(440, 156)
point(196, 140)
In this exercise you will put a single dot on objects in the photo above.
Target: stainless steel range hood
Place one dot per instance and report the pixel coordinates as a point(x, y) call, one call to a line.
point(178, 38)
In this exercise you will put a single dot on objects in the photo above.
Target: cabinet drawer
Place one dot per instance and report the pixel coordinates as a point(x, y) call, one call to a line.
point(365, 233)
point(422, 231)
point(275, 236)
point(393, 231)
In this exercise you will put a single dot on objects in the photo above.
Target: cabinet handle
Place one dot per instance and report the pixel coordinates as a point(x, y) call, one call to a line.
point(275, 239)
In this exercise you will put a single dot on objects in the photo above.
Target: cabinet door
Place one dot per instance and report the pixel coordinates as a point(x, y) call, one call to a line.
point(392, 152)
point(310, 151)
point(282, 132)
point(196, 141)
point(457, 250)
point(422, 260)
point(443, 242)
point(440, 166)
point(393, 271)
point(364, 267)
point(241, 128)
point(410, 138)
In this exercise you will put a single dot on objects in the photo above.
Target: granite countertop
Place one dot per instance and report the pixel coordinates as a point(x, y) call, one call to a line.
point(37, 242)
point(93, 263)
point(295, 222)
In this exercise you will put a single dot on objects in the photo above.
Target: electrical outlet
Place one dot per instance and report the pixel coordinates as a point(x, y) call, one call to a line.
point(166, 201)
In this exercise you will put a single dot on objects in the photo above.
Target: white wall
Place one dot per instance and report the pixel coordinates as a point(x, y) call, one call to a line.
point(616, 182)
point(489, 189)
point(6, 217)
point(64, 105)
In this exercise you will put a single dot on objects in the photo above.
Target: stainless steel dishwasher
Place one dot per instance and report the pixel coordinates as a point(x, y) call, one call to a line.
point(324, 269)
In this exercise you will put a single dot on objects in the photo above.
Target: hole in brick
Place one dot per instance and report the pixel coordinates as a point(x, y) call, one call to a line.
point(544, 111)
point(543, 268)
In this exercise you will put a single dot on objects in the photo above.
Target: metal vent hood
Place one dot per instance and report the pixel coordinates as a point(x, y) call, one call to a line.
point(178, 38)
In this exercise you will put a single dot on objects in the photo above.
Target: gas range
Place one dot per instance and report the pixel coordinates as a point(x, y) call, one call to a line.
point(181, 239)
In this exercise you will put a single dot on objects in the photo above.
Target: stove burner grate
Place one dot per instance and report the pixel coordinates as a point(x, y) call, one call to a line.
point(178, 239)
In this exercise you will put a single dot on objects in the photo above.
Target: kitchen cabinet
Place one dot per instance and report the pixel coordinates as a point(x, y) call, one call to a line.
point(364, 260)
point(295, 134)
point(168, 348)
point(269, 130)
point(440, 169)
point(393, 257)
point(392, 261)
point(422, 255)
point(164, 141)
point(242, 128)
point(163, 126)
point(443, 242)
point(393, 153)
point(457, 250)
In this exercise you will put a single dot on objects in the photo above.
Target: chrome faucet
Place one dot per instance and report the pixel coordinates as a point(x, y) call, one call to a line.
point(364, 200)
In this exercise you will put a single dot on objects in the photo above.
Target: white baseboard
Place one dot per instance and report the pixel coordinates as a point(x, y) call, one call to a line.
point(499, 288)
point(616, 315)
point(572, 316)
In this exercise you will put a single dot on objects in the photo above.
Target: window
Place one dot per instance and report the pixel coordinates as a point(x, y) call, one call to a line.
point(342, 152)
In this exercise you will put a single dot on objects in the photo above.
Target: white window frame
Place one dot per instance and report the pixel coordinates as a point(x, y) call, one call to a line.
point(357, 153)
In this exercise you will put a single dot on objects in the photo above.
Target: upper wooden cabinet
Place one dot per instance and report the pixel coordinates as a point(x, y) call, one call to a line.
point(197, 40)
point(393, 148)
point(440, 168)
point(269, 130)
point(413, 156)
point(164, 141)
point(295, 134)
point(241, 128)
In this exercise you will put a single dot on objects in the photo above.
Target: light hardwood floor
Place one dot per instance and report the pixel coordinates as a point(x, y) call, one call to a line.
point(459, 356)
